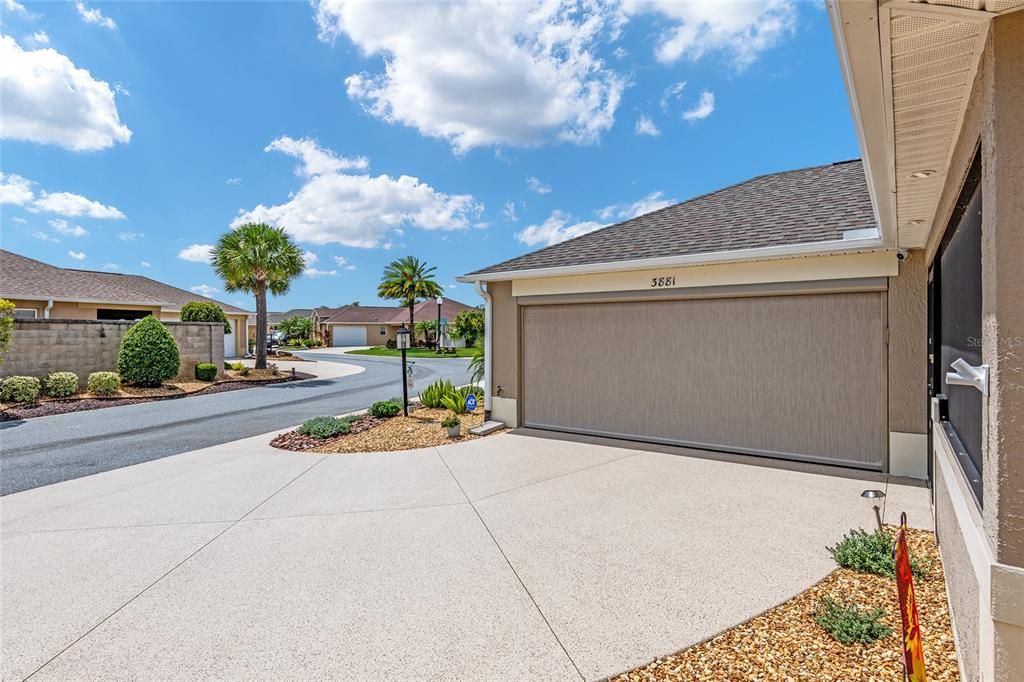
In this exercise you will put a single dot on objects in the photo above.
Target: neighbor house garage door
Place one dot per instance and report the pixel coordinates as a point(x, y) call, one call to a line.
point(795, 376)
point(347, 336)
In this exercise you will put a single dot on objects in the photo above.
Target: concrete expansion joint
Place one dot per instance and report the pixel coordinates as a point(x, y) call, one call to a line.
point(558, 476)
point(511, 567)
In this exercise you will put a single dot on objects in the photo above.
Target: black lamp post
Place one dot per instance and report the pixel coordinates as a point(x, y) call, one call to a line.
point(403, 343)
point(437, 334)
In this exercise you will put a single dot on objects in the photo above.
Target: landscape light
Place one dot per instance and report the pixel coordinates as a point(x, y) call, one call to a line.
point(874, 499)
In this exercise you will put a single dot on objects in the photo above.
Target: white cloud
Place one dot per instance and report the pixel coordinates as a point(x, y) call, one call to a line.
point(483, 74)
point(557, 228)
point(340, 261)
point(360, 210)
point(645, 126)
point(451, 286)
point(315, 159)
point(15, 189)
point(740, 31)
point(20, 221)
point(94, 16)
point(63, 227)
point(509, 211)
point(671, 94)
point(120, 89)
point(74, 205)
point(42, 236)
point(15, 7)
point(77, 255)
point(111, 266)
point(703, 109)
point(535, 185)
point(234, 181)
point(313, 272)
point(130, 236)
point(351, 267)
point(625, 211)
point(145, 264)
point(620, 52)
point(47, 99)
point(204, 290)
point(39, 39)
point(309, 257)
point(196, 253)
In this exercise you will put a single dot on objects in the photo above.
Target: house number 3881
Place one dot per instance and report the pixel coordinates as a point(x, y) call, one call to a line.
point(663, 282)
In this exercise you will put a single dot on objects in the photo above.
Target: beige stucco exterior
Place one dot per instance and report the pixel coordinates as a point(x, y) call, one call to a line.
point(373, 332)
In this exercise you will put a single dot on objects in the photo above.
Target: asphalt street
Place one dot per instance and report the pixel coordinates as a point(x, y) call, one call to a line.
point(47, 450)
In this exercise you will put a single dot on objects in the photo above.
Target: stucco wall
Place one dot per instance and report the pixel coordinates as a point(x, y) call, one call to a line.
point(908, 346)
point(39, 347)
point(505, 340)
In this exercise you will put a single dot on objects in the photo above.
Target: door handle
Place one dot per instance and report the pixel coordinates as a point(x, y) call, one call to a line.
point(964, 374)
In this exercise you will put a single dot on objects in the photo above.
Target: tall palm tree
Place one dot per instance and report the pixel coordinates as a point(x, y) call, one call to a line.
point(256, 258)
point(408, 280)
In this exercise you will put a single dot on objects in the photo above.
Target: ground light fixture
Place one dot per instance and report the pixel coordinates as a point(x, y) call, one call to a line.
point(402, 336)
point(874, 498)
point(437, 333)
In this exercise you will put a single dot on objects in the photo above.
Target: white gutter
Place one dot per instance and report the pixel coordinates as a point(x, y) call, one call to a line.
point(481, 288)
point(834, 247)
point(46, 310)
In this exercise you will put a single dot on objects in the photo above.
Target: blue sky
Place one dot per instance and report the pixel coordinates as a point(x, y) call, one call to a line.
point(136, 133)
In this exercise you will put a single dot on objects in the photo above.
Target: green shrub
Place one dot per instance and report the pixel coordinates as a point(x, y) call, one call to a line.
point(872, 553)
point(103, 383)
point(204, 311)
point(237, 366)
point(465, 391)
point(61, 384)
point(206, 371)
point(451, 421)
point(18, 389)
point(148, 354)
point(432, 394)
point(326, 427)
point(455, 403)
point(850, 624)
point(386, 408)
point(6, 325)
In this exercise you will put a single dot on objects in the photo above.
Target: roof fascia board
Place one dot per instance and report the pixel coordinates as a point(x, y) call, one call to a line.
point(739, 255)
point(58, 299)
point(861, 65)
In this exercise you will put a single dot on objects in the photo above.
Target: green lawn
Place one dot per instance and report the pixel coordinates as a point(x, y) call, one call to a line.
point(411, 353)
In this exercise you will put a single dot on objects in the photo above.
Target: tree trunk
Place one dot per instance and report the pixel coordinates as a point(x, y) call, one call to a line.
point(412, 324)
point(261, 326)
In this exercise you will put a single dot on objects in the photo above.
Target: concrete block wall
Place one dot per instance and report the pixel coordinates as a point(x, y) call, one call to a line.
point(39, 347)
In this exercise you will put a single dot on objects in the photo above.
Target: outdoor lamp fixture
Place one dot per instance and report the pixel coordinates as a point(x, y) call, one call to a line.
point(874, 499)
point(437, 334)
point(402, 336)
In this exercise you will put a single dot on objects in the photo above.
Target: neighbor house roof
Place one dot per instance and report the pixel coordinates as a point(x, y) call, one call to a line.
point(424, 310)
point(805, 206)
point(22, 277)
point(277, 317)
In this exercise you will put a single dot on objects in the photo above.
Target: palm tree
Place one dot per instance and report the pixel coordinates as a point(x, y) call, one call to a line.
point(256, 258)
point(408, 280)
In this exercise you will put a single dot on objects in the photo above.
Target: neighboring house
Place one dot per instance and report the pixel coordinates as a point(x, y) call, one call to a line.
point(376, 325)
point(815, 314)
point(273, 319)
point(40, 290)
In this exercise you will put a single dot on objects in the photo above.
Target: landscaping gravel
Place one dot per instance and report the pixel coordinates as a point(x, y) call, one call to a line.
point(785, 643)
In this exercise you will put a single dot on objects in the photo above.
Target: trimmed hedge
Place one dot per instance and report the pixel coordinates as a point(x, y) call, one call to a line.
point(385, 408)
point(204, 311)
point(61, 384)
point(19, 389)
point(103, 383)
point(206, 371)
point(148, 354)
point(326, 427)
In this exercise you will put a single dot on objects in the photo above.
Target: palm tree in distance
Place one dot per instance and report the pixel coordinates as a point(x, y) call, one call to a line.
point(408, 280)
point(257, 258)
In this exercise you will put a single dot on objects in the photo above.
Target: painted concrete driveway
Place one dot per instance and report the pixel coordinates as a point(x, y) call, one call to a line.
point(51, 449)
point(509, 557)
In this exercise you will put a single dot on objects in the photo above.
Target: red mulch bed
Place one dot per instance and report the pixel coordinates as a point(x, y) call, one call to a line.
point(298, 442)
point(52, 407)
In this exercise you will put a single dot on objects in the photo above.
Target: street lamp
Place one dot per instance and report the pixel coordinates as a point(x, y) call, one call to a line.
point(402, 336)
point(873, 499)
point(437, 334)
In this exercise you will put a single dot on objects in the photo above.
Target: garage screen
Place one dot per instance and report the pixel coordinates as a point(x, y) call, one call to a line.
point(798, 377)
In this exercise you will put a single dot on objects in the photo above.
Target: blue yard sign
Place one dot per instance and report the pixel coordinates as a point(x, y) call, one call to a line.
point(471, 402)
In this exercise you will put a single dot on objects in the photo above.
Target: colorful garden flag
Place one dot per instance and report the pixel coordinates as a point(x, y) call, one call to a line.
point(913, 654)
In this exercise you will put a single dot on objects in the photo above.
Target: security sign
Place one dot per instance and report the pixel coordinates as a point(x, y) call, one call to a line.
point(471, 402)
point(913, 654)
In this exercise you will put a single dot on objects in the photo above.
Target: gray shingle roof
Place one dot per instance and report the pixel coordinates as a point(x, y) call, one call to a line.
point(22, 277)
point(802, 206)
